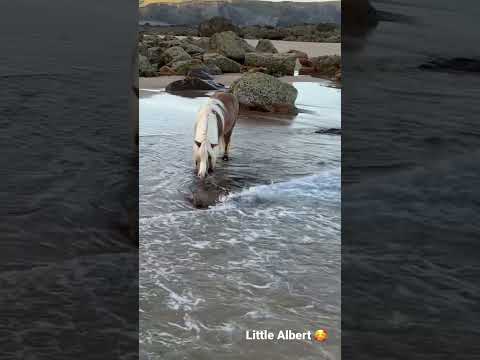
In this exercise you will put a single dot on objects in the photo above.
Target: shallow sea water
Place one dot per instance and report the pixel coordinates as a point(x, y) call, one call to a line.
point(266, 255)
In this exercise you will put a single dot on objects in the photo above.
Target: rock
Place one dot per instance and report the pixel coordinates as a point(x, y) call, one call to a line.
point(214, 69)
point(154, 55)
point(327, 65)
point(231, 45)
point(257, 69)
point(142, 48)
point(298, 54)
point(305, 62)
point(183, 67)
point(276, 64)
point(257, 91)
point(200, 74)
point(305, 70)
point(192, 49)
point(170, 43)
point(145, 68)
point(193, 83)
point(150, 40)
point(174, 54)
point(266, 46)
point(225, 64)
point(204, 43)
point(169, 38)
point(215, 25)
point(166, 71)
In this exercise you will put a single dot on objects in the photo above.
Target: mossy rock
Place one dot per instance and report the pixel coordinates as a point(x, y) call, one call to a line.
point(263, 92)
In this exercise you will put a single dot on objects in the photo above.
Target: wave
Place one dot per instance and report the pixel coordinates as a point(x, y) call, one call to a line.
point(324, 186)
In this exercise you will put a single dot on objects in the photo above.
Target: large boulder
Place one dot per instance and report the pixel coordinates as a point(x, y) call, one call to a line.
point(258, 91)
point(266, 46)
point(215, 25)
point(231, 45)
point(145, 68)
point(203, 42)
point(225, 64)
point(154, 55)
point(175, 54)
point(328, 65)
point(214, 69)
point(276, 64)
point(192, 49)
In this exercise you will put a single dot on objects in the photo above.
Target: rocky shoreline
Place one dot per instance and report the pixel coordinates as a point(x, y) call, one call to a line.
point(226, 52)
point(199, 59)
point(329, 33)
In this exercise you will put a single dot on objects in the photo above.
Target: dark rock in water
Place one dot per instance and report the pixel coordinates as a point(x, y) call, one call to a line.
point(203, 199)
point(331, 131)
point(193, 83)
point(458, 64)
point(215, 25)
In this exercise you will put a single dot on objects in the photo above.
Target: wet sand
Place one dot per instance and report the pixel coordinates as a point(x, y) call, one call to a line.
point(160, 82)
point(311, 48)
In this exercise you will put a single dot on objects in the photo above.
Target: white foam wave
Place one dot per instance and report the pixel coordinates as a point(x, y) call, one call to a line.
point(324, 186)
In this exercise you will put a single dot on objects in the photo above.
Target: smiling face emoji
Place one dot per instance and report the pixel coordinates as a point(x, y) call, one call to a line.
point(320, 335)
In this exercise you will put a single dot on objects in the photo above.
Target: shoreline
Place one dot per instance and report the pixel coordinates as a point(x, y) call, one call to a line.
point(160, 82)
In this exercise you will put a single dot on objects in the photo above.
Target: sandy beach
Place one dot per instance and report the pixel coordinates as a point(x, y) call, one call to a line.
point(311, 48)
